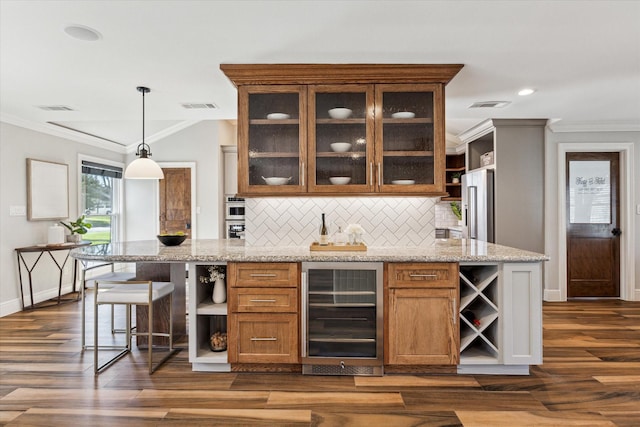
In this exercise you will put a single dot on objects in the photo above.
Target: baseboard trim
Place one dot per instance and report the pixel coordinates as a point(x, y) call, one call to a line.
point(14, 305)
point(10, 307)
point(552, 295)
point(636, 296)
point(493, 369)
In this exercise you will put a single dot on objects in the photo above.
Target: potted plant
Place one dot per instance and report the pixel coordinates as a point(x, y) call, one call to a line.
point(77, 228)
point(455, 177)
point(457, 210)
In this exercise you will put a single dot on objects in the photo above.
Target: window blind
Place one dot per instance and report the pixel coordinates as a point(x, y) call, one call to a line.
point(100, 169)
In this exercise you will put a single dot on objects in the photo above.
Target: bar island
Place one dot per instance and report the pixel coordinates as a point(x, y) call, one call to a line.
point(460, 305)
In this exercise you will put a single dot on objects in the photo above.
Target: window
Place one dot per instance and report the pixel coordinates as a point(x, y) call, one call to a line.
point(101, 186)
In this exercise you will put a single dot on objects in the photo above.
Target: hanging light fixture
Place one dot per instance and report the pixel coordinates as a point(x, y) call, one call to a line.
point(143, 167)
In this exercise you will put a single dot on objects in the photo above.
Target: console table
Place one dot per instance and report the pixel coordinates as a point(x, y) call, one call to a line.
point(48, 249)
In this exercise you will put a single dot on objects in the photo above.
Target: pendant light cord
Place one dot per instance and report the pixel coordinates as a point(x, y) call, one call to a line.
point(146, 151)
point(142, 118)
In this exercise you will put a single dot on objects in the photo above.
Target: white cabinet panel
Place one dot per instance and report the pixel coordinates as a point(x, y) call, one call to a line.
point(522, 314)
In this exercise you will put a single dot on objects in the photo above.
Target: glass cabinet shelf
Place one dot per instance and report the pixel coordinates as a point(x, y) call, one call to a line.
point(273, 155)
point(272, 122)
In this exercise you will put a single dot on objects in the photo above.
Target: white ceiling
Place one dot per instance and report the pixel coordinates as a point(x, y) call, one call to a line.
point(583, 57)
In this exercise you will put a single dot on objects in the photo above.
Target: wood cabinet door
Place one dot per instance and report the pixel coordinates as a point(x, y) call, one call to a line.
point(410, 140)
point(264, 338)
point(272, 140)
point(340, 131)
point(423, 327)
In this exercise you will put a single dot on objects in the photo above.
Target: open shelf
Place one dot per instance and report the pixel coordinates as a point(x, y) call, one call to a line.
point(205, 355)
point(209, 308)
point(207, 318)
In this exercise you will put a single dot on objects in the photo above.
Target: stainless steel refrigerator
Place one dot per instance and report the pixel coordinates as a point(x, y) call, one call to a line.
point(477, 205)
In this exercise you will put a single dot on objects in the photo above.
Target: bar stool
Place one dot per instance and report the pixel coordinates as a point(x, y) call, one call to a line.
point(131, 293)
point(90, 284)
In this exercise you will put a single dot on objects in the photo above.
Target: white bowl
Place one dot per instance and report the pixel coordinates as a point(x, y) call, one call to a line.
point(278, 116)
point(403, 115)
point(276, 180)
point(340, 180)
point(340, 113)
point(403, 182)
point(341, 147)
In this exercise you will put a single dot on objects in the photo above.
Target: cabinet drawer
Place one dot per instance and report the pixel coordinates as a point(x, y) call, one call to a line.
point(423, 275)
point(265, 338)
point(261, 300)
point(259, 275)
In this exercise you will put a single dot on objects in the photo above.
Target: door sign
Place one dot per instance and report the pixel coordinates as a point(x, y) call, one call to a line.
point(589, 192)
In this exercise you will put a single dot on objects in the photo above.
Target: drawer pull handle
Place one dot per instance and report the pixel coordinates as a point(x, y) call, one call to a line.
point(263, 275)
point(264, 339)
point(433, 276)
point(262, 300)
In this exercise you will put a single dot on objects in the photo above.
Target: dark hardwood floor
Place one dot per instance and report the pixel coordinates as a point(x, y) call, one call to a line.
point(590, 377)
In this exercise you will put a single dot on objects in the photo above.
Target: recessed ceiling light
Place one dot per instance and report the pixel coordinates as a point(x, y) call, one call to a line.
point(81, 32)
point(526, 91)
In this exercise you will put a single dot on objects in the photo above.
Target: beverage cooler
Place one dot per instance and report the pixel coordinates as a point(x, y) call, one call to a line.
point(342, 319)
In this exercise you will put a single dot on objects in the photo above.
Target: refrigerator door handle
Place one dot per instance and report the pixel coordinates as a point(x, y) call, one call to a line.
point(472, 212)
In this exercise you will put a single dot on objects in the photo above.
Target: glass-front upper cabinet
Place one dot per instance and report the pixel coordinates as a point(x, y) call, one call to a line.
point(341, 124)
point(271, 125)
point(410, 144)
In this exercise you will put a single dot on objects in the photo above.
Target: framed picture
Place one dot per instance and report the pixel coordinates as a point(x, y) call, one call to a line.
point(47, 190)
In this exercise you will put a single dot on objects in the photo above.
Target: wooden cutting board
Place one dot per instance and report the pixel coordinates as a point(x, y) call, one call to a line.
point(360, 247)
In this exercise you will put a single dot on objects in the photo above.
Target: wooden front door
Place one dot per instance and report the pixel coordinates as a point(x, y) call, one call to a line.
point(175, 200)
point(593, 242)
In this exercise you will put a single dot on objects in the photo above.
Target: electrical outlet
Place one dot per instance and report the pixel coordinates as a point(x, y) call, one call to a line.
point(17, 210)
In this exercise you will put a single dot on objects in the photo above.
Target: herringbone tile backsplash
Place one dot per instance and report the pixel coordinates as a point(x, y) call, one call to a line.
point(387, 221)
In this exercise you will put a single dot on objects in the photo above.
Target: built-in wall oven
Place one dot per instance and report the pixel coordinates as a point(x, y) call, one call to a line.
point(234, 208)
point(342, 318)
point(234, 217)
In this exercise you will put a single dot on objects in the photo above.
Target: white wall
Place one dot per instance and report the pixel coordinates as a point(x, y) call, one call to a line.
point(16, 145)
point(198, 143)
point(554, 275)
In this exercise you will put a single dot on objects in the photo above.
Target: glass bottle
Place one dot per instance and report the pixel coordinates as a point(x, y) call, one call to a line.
point(324, 233)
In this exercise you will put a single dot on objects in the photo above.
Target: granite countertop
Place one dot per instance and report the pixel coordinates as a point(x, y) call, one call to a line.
point(443, 250)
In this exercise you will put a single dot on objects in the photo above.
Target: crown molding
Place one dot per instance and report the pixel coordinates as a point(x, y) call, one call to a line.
point(561, 126)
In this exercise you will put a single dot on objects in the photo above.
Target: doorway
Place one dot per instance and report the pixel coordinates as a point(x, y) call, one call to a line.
point(176, 198)
point(593, 224)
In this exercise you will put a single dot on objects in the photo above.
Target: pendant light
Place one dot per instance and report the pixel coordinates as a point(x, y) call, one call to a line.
point(143, 167)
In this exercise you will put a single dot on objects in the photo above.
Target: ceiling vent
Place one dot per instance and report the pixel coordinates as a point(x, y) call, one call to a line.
point(199, 106)
point(55, 108)
point(489, 104)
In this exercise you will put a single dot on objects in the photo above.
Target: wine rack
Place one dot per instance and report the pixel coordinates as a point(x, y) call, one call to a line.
point(479, 313)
